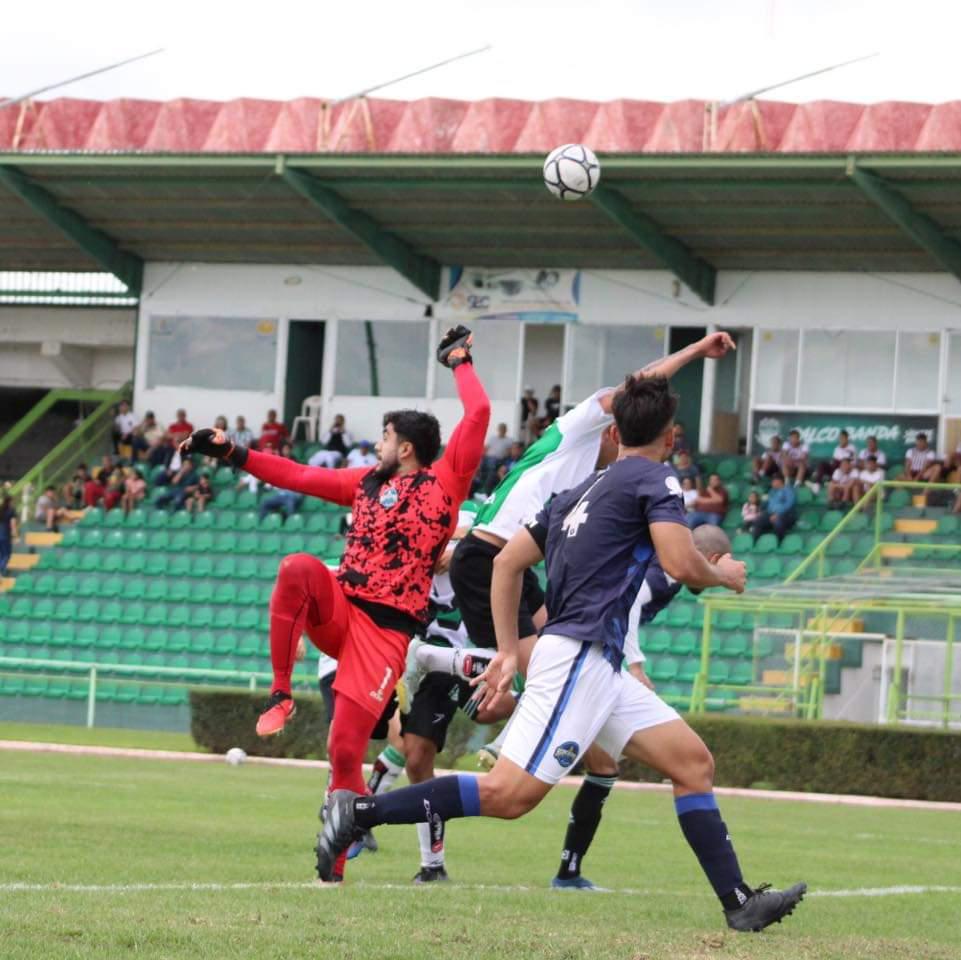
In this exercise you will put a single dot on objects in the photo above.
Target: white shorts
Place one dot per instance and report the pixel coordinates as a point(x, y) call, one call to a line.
point(573, 698)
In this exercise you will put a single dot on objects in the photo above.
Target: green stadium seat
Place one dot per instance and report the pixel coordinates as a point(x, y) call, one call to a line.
point(40, 634)
point(735, 645)
point(136, 519)
point(153, 616)
point(769, 569)
point(92, 517)
point(202, 641)
point(294, 543)
point(315, 523)
point(655, 641)
point(226, 541)
point(246, 500)
point(741, 673)
point(857, 522)
point(225, 592)
point(111, 611)
point(812, 542)
point(273, 521)
point(224, 567)
point(35, 686)
point(202, 541)
point(269, 543)
point(155, 639)
point(766, 543)
point(109, 638)
point(717, 671)
point(679, 615)
point(320, 545)
point(247, 568)
point(805, 497)
point(742, 543)
point(247, 619)
point(226, 500)
point(88, 611)
point(689, 670)
point(150, 694)
point(728, 620)
point(71, 537)
point(202, 591)
point(63, 635)
point(684, 644)
point(844, 565)
point(201, 566)
point(246, 543)
point(110, 586)
point(728, 469)
point(44, 585)
point(178, 591)
point(897, 499)
point(178, 615)
point(179, 520)
point(133, 638)
point(203, 520)
point(949, 525)
point(840, 546)
point(113, 519)
point(224, 643)
point(178, 641)
point(91, 537)
point(791, 545)
point(829, 520)
point(662, 669)
point(158, 541)
point(225, 520)
point(294, 523)
point(155, 564)
point(86, 636)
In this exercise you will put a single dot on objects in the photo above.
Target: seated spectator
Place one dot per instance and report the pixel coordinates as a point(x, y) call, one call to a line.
point(845, 486)
point(287, 450)
point(73, 488)
point(335, 444)
point(751, 510)
point(8, 532)
point(362, 455)
point(179, 430)
point(530, 406)
point(240, 435)
point(150, 441)
point(552, 405)
point(794, 459)
point(872, 450)
point(681, 443)
point(779, 513)
point(517, 451)
point(689, 492)
point(124, 427)
point(844, 451)
point(93, 489)
point(921, 462)
point(711, 504)
point(177, 485)
point(48, 510)
point(198, 495)
point(273, 432)
point(769, 463)
point(496, 453)
point(107, 467)
point(871, 473)
point(952, 465)
point(113, 489)
point(686, 468)
point(134, 490)
point(282, 501)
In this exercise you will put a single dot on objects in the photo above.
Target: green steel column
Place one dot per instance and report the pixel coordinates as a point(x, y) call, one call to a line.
point(894, 690)
point(878, 516)
point(698, 702)
point(948, 673)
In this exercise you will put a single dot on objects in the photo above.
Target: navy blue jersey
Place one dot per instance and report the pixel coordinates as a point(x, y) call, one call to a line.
point(597, 545)
point(663, 589)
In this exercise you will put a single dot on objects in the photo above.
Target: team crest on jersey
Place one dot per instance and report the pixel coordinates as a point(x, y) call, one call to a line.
point(389, 498)
point(674, 486)
point(567, 753)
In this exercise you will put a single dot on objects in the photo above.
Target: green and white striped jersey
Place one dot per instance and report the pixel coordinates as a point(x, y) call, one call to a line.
point(561, 458)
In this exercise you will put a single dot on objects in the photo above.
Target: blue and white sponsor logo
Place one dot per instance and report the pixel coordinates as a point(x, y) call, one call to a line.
point(389, 498)
point(567, 753)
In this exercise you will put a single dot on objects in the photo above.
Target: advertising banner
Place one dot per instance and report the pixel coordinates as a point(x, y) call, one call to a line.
point(527, 296)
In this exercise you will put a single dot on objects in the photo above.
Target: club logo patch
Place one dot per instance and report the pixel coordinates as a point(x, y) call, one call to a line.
point(567, 753)
point(389, 498)
point(673, 486)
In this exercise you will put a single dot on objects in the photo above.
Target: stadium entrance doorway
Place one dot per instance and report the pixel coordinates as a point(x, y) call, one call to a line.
point(305, 365)
point(543, 366)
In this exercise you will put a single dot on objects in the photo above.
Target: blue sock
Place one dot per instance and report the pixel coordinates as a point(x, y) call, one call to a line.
point(446, 798)
point(707, 836)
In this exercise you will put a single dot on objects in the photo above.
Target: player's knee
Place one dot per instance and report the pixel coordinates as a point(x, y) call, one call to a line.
point(499, 797)
point(698, 773)
point(295, 568)
point(420, 761)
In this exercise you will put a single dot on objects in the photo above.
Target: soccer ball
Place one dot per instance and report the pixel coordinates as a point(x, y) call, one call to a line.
point(235, 756)
point(571, 171)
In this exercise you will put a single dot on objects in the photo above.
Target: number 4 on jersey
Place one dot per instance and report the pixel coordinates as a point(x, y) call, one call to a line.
point(573, 521)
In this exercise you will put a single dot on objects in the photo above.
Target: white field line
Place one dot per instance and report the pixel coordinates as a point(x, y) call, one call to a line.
point(840, 799)
point(119, 888)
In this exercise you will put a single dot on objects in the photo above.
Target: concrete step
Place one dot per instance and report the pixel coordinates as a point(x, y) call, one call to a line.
point(7, 583)
point(43, 539)
point(915, 525)
point(23, 561)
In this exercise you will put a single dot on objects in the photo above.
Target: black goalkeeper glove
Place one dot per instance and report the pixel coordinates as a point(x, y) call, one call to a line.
point(216, 444)
point(454, 347)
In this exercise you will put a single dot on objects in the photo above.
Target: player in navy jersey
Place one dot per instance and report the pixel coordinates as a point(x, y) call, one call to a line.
point(598, 540)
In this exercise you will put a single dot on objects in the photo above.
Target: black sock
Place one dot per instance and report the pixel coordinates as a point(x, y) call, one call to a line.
point(582, 825)
point(707, 835)
point(445, 797)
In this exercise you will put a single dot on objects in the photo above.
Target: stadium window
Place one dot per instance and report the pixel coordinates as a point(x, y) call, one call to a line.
point(916, 379)
point(497, 346)
point(777, 367)
point(953, 385)
point(602, 355)
point(847, 369)
point(376, 358)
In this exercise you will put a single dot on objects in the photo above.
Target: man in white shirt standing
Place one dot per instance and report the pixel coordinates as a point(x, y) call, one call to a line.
point(843, 452)
point(124, 424)
point(794, 459)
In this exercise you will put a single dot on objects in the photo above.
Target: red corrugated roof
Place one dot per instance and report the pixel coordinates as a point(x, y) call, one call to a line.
point(437, 126)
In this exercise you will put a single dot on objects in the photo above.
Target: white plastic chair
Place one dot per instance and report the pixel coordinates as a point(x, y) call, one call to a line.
point(309, 417)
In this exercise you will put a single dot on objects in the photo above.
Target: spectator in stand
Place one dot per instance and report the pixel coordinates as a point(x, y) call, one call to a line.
point(287, 450)
point(8, 532)
point(179, 430)
point(134, 490)
point(779, 513)
point(711, 504)
point(871, 473)
point(93, 489)
point(681, 444)
point(872, 450)
point(552, 405)
point(150, 441)
point(517, 451)
point(48, 510)
point(240, 436)
point(199, 494)
point(124, 427)
point(921, 462)
point(845, 487)
point(177, 486)
point(530, 406)
point(335, 444)
point(113, 489)
point(362, 455)
point(686, 469)
point(769, 463)
point(273, 431)
point(282, 501)
point(794, 459)
point(73, 489)
point(496, 453)
point(689, 493)
point(842, 452)
point(751, 509)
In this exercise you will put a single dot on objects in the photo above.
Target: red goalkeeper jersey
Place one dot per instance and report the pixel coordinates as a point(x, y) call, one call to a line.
point(402, 525)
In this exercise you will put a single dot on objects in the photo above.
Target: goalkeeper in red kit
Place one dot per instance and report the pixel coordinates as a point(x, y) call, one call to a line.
point(404, 512)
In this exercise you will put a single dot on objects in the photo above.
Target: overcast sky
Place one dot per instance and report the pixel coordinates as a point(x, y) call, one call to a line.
point(597, 49)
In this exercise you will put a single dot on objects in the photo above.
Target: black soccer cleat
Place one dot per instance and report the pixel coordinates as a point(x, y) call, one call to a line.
point(455, 346)
point(764, 907)
point(431, 875)
point(337, 833)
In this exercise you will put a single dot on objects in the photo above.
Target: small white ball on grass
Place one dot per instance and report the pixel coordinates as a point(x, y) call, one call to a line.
point(235, 756)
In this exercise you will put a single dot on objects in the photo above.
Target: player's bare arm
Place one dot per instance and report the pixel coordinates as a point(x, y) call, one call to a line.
point(681, 560)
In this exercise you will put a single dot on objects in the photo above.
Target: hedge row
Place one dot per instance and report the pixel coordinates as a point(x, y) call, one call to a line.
point(774, 754)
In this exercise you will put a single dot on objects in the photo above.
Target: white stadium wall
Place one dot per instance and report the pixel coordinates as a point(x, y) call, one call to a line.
point(924, 307)
point(66, 347)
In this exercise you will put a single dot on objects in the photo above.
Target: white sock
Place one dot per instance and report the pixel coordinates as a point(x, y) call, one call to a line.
point(428, 856)
point(436, 659)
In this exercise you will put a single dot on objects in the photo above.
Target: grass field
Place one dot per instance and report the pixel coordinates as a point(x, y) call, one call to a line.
point(119, 823)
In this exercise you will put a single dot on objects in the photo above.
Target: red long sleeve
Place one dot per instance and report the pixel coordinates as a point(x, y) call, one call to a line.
point(337, 486)
point(465, 448)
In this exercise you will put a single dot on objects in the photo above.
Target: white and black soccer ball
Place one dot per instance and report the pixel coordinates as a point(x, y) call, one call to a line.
point(571, 171)
point(235, 756)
